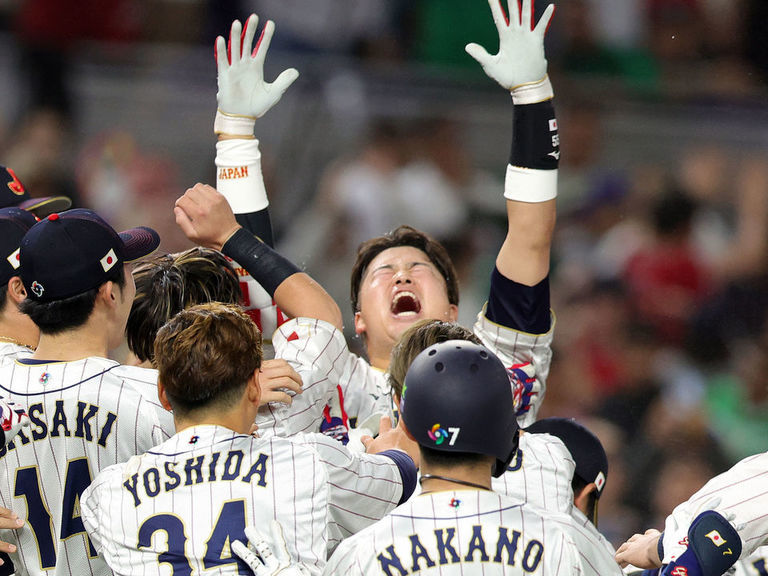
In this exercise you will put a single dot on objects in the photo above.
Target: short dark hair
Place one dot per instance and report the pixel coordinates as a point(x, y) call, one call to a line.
point(205, 356)
point(167, 284)
point(404, 236)
point(446, 459)
point(57, 316)
point(419, 337)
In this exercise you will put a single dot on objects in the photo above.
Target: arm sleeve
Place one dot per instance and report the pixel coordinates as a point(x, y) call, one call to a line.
point(519, 307)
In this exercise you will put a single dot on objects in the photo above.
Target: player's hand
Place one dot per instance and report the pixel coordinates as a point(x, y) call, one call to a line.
point(520, 59)
point(641, 550)
point(9, 520)
point(277, 378)
point(242, 89)
point(392, 439)
point(13, 418)
point(205, 216)
point(266, 560)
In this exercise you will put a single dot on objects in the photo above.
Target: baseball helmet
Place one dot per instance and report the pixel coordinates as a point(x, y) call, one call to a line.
point(457, 398)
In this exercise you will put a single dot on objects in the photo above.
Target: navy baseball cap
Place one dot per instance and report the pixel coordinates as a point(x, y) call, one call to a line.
point(584, 446)
point(14, 223)
point(70, 253)
point(13, 193)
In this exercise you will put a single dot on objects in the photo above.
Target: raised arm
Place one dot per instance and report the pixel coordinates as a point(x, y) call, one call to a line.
point(531, 181)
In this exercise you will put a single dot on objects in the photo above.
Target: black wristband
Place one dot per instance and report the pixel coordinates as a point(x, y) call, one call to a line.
point(407, 471)
point(535, 140)
point(259, 224)
point(266, 266)
point(522, 308)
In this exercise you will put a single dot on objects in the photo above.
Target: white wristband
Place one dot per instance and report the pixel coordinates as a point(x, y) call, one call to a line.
point(529, 185)
point(533, 92)
point(233, 124)
point(238, 175)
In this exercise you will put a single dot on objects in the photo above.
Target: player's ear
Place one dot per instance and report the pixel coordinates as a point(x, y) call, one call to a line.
point(162, 396)
point(253, 388)
point(16, 290)
point(453, 313)
point(359, 324)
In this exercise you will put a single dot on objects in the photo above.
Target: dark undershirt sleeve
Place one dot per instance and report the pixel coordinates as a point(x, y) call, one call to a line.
point(520, 307)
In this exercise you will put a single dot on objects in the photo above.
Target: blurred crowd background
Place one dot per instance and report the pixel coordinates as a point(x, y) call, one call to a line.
point(660, 263)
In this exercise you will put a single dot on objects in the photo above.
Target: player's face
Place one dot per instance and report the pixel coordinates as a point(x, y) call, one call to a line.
point(400, 287)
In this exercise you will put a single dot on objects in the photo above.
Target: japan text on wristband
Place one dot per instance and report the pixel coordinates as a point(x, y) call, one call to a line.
point(233, 124)
point(533, 92)
point(238, 175)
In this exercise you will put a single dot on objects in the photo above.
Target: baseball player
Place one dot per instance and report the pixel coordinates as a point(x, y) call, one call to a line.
point(86, 411)
point(206, 218)
point(723, 522)
point(406, 276)
point(559, 466)
point(18, 334)
point(458, 525)
point(168, 283)
point(185, 501)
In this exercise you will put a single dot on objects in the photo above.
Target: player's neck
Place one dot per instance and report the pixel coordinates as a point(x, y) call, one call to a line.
point(443, 478)
point(378, 356)
point(236, 420)
point(71, 345)
point(17, 330)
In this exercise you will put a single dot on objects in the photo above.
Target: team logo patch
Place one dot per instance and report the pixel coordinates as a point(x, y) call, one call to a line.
point(37, 289)
point(454, 503)
point(13, 259)
point(553, 125)
point(44, 377)
point(14, 185)
point(109, 260)
point(600, 481)
point(437, 434)
point(194, 439)
point(717, 540)
point(679, 571)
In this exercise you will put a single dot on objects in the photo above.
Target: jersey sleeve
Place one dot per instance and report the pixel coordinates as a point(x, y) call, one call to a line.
point(316, 350)
point(363, 487)
point(738, 494)
point(515, 348)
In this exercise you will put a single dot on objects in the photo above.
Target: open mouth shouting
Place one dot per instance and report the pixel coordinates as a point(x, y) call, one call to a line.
point(405, 304)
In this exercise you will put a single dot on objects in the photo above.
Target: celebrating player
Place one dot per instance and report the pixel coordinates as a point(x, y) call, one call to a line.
point(87, 412)
point(406, 276)
point(559, 467)
point(458, 525)
point(213, 474)
point(723, 522)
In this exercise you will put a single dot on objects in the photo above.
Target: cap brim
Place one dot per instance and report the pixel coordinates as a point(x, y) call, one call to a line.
point(139, 242)
point(42, 207)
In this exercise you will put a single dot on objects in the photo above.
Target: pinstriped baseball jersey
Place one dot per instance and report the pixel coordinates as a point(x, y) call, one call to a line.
point(10, 349)
point(316, 350)
point(540, 474)
point(741, 492)
point(756, 564)
point(463, 532)
point(363, 487)
point(367, 392)
point(85, 415)
point(176, 509)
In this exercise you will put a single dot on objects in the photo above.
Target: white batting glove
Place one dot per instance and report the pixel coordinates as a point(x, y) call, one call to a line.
point(13, 418)
point(243, 94)
point(520, 65)
point(262, 559)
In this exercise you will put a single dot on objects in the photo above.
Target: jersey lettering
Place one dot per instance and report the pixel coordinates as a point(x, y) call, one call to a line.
point(154, 481)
